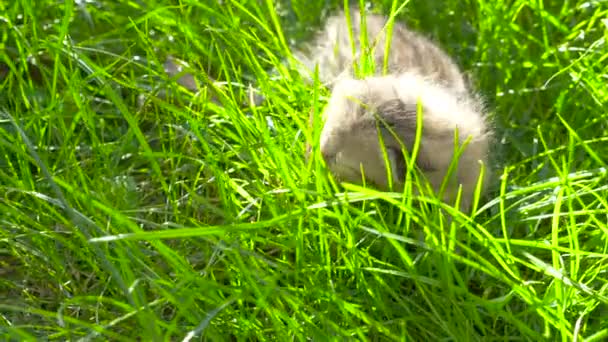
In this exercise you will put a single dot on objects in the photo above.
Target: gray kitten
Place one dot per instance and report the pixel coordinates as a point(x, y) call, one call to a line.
point(359, 109)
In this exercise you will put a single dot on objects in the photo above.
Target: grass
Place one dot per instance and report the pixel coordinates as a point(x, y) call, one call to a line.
point(127, 214)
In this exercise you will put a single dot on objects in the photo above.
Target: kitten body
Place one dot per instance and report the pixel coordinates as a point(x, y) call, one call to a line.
point(418, 70)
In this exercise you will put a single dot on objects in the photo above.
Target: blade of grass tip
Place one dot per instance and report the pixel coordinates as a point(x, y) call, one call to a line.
point(364, 48)
point(278, 30)
point(84, 225)
point(457, 152)
point(474, 202)
point(349, 24)
point(453, 227)
point(389, 31)
point(417, 139)
point(502, 213)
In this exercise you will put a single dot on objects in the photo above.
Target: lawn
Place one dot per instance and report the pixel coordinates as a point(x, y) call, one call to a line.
point(134, 209)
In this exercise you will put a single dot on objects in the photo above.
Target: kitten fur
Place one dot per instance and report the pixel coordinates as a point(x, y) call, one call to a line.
point(418, 71)
point(409, 51)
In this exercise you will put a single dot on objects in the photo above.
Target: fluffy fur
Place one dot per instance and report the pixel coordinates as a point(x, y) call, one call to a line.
point(359, 109)
point(331, 51)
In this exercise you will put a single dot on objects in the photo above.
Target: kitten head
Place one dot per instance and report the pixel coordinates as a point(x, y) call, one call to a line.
point(361, 112)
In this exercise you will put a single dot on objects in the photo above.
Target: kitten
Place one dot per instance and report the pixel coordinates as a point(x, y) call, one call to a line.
point(357, 110)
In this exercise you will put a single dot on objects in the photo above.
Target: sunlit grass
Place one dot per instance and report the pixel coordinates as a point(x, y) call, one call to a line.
point(132, 207)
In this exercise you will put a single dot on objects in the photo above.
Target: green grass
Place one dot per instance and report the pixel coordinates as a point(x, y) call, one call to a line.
point(124, 214)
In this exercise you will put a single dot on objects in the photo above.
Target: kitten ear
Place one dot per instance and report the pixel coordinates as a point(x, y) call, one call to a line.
point(398, 114)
